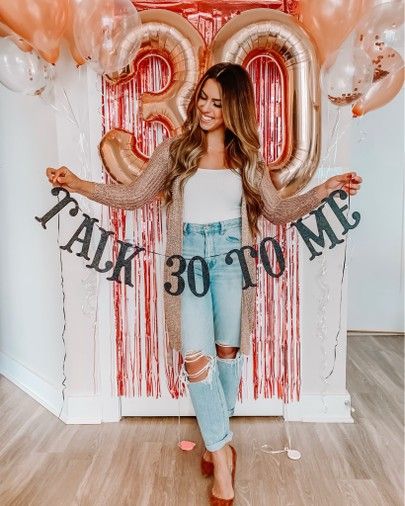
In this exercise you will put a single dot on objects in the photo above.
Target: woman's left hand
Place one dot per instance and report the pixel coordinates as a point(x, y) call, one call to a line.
point(349, 182)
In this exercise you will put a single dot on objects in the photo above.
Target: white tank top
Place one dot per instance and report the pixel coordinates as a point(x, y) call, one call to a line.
point(212, 195)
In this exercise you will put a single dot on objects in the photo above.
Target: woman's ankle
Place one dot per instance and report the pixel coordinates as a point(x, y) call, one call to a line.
point(221, 454)
point(207, 454)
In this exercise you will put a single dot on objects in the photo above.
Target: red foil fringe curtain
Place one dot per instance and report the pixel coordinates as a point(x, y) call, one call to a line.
point(138, 311)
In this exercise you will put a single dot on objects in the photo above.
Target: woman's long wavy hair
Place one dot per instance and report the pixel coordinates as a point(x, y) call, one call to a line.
point(241, 137)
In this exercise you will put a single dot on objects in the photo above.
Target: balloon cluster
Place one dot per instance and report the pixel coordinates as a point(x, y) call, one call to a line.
point(359, 44)
point(104, 33)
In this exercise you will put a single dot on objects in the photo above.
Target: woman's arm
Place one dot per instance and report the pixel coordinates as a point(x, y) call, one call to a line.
point(280, 210)
point(138, 193)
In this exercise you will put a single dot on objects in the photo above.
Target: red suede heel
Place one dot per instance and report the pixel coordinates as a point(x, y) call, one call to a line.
point(218, 501)
point(207, 468)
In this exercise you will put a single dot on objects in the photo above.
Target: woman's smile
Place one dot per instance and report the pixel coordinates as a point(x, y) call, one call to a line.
point(204, 117)
point(209, 106)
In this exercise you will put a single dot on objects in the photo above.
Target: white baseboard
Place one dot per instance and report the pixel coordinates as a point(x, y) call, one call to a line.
point(329, 408)
point(91, 410)
point(76, 409)
point(94, 409)
point(47, 394)
point(335, 408)
point(166, 406)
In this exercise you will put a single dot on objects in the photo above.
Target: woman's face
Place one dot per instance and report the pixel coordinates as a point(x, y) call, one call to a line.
point(209, 107)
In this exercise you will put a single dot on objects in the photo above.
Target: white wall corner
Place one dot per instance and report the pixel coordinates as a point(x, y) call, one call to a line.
point(76, 409)
point(47, 394)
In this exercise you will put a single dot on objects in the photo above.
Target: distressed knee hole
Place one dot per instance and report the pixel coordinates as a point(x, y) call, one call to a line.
point(224, 351)
point(197, 366)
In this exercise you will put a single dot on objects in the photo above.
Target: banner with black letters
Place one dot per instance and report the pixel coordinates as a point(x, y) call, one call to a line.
point(85, 233)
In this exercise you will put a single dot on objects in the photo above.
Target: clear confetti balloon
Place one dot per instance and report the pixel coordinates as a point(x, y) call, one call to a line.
point(382, 26)
point(107, 33)
point(381, 34)
point(23, 72)
point(347, 74)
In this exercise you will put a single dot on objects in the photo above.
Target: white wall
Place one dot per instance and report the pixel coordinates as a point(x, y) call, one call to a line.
point(376, 271)
point(30, 309)
point(36, 134)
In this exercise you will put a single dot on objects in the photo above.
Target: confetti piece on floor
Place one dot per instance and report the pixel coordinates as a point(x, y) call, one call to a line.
point(186, 445)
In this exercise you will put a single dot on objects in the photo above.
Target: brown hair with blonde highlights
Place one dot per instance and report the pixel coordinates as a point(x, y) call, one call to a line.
point(241, 137)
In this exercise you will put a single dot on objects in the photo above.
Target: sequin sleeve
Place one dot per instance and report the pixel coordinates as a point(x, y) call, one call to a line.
point(280, 210)
point(142, 190)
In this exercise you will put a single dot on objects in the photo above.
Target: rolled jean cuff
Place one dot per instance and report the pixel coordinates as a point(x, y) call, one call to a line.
point(217, 446)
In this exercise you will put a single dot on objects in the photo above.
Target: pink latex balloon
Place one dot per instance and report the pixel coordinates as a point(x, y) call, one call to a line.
point(329, 22)
point(5, 31)
point(41, 23)
point(107, 33)
point(74, 5)
point(380, 93)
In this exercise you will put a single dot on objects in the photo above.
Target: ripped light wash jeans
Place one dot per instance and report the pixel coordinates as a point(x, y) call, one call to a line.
point(209, 319)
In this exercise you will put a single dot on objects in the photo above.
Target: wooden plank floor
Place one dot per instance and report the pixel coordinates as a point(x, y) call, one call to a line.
point(44, 462)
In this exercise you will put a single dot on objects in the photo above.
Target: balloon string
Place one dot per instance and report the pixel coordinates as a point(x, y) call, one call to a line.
point(321, 325)
point(67, 109)
point(326, 162)
point(335, 137)
point(180, 383)
point(47, 101)
point(287, 449)
point(64, 386)
point(64, 318)
point(336, 340)
point(329, 161)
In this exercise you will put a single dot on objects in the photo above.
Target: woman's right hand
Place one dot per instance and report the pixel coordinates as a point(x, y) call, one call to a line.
point(63, 177)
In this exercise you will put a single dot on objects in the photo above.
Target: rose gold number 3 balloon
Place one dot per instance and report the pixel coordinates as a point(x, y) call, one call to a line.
point(177, 42)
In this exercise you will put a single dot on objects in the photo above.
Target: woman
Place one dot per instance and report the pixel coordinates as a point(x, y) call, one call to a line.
point(215, 186)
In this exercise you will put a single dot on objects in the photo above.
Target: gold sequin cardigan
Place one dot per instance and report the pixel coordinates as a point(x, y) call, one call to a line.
point(145, 189)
